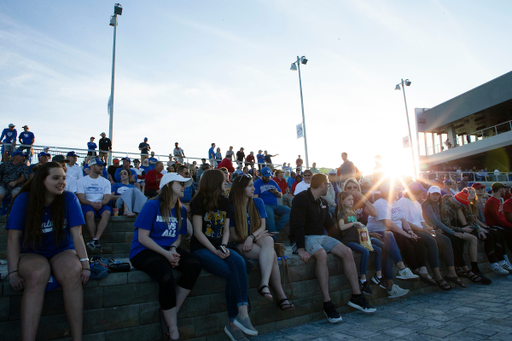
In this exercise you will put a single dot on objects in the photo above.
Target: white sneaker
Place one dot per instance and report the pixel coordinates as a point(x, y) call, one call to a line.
point(396, 292)
point(505, 265)
point(498, 269)
point(407, 275)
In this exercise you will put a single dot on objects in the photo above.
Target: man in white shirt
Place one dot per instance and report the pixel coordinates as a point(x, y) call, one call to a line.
point(305, 183)
point(73, 172)
point(178, 153)
point(94, 192)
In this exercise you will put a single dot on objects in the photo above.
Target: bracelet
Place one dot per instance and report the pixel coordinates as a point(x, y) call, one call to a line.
point(172, 246)
point(86, 269)
point(12, 272)
point(253, 236)
point(84, 259)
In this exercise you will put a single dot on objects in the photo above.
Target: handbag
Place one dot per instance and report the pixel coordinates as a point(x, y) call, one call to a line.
point(280, 252)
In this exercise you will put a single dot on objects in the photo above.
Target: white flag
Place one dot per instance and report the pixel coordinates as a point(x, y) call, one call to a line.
point(109, 105)
point(300, 131)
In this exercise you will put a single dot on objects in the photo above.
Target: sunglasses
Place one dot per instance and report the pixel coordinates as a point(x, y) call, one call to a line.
point(352, 187)
point(239, 178)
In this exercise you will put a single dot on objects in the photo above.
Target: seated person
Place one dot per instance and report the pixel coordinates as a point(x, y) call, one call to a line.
point(13, 174)
point(153, 180)
point(119, 188)
point(133, 173)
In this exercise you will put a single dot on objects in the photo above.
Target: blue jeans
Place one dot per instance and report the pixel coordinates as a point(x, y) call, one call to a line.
point(232, 269)
point(365, 254)
point(283, 211)
point(390, 253)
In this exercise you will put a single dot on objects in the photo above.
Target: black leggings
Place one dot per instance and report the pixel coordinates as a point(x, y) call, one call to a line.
point(458, 250)
point(159, 268)
point(432, 249)
point(507, 235)
point(414, 253)
point(494, 246)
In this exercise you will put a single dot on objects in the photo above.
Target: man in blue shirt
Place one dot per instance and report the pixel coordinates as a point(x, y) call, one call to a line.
point(27, 139)
point(268, 190)
point(152, 161)
point(133, 177)
point(261, 159)
point(211, 156)
point(144, 148)
point(9, 143)
point(43, 158)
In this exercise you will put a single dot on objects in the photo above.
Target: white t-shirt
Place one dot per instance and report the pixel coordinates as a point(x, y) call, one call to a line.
point(375, 224)
point(301, 187)
point(397, 215)
point(178, 152)
point(94, 189)
point(413, 212)
point(75, 172)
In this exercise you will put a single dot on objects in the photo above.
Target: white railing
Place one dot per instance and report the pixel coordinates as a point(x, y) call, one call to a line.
point(472, 176)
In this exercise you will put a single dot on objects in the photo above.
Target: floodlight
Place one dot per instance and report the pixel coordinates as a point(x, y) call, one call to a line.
point(118, 9)
point(293, 67)
point(303, 60)
point(113, 20)
point(397, 87)
point(407, 82)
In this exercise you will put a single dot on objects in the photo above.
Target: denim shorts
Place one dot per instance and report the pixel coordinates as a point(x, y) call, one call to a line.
point(315, 243)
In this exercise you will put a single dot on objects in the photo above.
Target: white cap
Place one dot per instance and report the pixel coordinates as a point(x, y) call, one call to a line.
point(434, 189)
point(170, 177)
point(333, 172)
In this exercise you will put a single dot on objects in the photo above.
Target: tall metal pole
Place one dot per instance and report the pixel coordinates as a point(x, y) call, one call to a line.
point(111, 121)
point(409, 128)
point(303, 117)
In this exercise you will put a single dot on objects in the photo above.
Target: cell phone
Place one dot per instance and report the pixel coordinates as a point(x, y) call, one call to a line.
point(223, 249)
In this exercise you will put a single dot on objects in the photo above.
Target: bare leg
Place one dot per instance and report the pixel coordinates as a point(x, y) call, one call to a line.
point(451, 271)
point(127, 211)
point(35, 270)
point(181, 295)
point(91, 224)
point(473, 246)
point(67, 270)
point(349, 266)
point(437, 274)
point(171, 317)
point(102, 224)
point(400, 265)
point(322, 273)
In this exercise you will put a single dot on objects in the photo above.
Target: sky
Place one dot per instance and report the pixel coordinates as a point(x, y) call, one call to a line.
point(198, 72)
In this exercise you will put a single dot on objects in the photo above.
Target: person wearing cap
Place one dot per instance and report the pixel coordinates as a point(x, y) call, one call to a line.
point(481, 199)
point(281, 182)
point(285, 168)
point(86, 170)
point(178, 152)
point(43, 158)
point(303, 185)
point(133, 173)
point(156, 248)
point(268, 190)
point(152, 160)
point(249, 160)
point(153, 177)
point(450, 187)
point(144, 148)
point(13, 174)
point(141, 173)
point(211, 155)
point(73, 168)
point(94, 192)
point(240, 157)
point(91, 149)
point(261, 159)
point(105, 146)
point(9, 143)
point(26, 139)
point(111, 170)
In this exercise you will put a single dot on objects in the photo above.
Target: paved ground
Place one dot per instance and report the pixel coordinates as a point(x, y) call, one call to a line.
point(475, 313)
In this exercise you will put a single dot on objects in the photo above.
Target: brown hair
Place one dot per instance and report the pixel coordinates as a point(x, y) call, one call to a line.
point(165, 198)
point(317, 180)
point(210, 188)
point(340, 209)
point(237, 196)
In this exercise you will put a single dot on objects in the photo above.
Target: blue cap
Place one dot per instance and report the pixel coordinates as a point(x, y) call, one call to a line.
point(43, 154)
point(72, 153)
point(416, 186)
point(145, 139)
point(96, 161)
point(16, 153)
point(265, 171)
point(127, 159)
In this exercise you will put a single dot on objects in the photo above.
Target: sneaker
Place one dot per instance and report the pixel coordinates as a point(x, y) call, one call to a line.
point(245, 325)
point(97, 243)
point(234, 335)
point(396, 292)
point(331, 313)
point(91, 245)
point(406, 275)
point(506, 265)
point(359, 302)
point(379, 282)
point(365, 288)
point(498, 269)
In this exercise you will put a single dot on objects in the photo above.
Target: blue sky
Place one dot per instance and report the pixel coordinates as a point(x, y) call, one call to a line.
point(218, 71)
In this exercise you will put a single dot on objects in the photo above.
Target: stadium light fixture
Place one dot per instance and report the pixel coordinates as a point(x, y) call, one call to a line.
point(296, 66)
point(397, 87)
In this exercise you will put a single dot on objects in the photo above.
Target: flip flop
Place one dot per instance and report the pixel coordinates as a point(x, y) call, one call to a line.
point(455, 280)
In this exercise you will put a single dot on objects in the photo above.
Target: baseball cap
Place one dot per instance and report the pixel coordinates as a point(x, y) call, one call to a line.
point(103, 133)
point(25, 126)
point(92, 137)
point(477, 185)
point(265, 171)
point(333, 172)
point(127, 159)
point(97, 162)
point(497, 185)
point(136, 161)
point(462, 198)
point(434, 189)
point(416, 186)
point(115, 161)
point(447, 181)
point(16, 153)
point(72, 153)
point(59, 158)
point(170, 177)
point(43, 154)
point(11, 125)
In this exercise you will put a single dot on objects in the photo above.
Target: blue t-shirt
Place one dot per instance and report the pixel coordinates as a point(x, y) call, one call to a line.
point(48, 247)
point(260, 206)
point(10, 136)
point(119, 188)
point(162, 233)
point(152, 159)
point(188, 193)
point(211, 153)
point(104, 173)
point(146, 169)
point(117, 175)
point(262, 190)
point(261, 158)
point(290, 182)
point(27, 137)
point(91, 146)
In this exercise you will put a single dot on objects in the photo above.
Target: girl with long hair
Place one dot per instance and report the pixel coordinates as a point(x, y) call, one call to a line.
point(45, 237)
point(249, 235)
point(155, 249)
point(362, 206)
point(211, 213)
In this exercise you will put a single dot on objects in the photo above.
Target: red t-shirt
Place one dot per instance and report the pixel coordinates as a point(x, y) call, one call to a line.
point(249, 159)
point(493, 215)
point(151, 178)
point(282, 184)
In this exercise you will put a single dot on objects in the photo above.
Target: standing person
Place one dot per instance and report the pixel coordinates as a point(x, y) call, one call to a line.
point(91, 149)
point(45, 237)
point(93, 191)
point(261, 159)
point(305, 183)
point(211, 155)
point(218, 156)
point(240, 157)
point(314, 170)
point(73, 171)
point(156, 248)
point(9, 142)
point(13, 175)
point(309, 218)
point(230, 153)
point(27, 139)
point(268, 190)
point(144, 148)
point(347, 169)
point(249, 235)
point(268, 160)
point(178, 152)
point(105, 146)
point(153, 178)
point(286, 168)
point(211, 214)
point(299, 162)
point(249, 160)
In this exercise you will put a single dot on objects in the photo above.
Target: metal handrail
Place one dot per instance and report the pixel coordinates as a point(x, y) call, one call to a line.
point(472, 176)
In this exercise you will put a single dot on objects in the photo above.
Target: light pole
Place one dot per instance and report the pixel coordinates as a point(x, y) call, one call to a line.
point(397, 87)
point(118, 10)
point(296, 65)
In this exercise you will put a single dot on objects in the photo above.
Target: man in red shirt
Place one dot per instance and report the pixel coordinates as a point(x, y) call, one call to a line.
point(281, 181)
point(493, 211)
point(249, 160)
point(153, 180)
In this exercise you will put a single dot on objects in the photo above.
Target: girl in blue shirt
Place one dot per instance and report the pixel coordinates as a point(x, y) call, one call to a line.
point(248, 232)
point(45, 237)
point(155, 248)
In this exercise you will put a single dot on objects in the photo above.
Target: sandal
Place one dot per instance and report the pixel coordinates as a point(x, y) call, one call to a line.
point(264, 294)
point(425, 278)
point(473, 277)
point(455, 280)
point(443, 284)
point(285, 306)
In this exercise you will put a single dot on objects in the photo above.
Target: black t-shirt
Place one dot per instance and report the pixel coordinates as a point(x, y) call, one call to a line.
point(213, 221)
point(105, 144)
point(268, 159)
point(240, 155)
point(350, 235)
point(112, 171)
point(144, 147)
